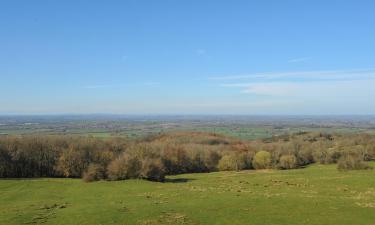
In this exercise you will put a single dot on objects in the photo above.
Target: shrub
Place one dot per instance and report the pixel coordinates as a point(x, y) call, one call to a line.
point(212, 159)
point(185, 152)
point(262, 160)
point(103, 158)
point(333, 155)
point(153, 169)
point(226, 163)
point(93, 173)
point(124, 167)
point(326, 156)
point(247, 158)
point(73, 162)
point(304, 156)
point(197, 159)
point(232, 162)
point(176, 160)
point(352, 161)
point(288, 162)
point(215, 141)
point(5, 163)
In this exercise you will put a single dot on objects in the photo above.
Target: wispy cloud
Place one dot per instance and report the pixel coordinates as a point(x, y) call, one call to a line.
point(315, 91)
point(324, 75)
point(314, 85)
point(274, 89)
point(296, 60)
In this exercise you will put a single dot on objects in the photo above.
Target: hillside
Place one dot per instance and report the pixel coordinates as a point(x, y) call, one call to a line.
point(318, 194)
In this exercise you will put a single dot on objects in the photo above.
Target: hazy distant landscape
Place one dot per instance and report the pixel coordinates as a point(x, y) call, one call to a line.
point(195, 112)
point(243, 127)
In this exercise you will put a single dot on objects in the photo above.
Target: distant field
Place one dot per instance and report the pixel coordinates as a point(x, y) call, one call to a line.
point(243, 127)
point(316, 195)
point(243, 132)
point(253, 133)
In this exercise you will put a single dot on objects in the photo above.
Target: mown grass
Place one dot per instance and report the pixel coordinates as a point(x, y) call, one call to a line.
point(318, 194)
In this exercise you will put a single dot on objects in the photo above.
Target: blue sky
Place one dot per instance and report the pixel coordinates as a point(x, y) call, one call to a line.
point(187, 57)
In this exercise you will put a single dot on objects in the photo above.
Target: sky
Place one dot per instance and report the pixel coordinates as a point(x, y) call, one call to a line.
point(243, 57)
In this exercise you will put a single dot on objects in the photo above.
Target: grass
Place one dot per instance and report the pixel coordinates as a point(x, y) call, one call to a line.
point(318, 194)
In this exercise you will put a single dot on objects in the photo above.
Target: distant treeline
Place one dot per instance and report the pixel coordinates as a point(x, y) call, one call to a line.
point(156, 156)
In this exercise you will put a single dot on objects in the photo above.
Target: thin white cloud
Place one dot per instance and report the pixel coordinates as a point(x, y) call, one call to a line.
point(307, 75)
point(307, 86)
point(274, 89)
point(314, 90)
point(228, 104)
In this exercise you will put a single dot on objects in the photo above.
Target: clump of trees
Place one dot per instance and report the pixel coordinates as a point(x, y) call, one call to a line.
point(288, 162)
point(157, 156)
point(94, 172)
point(234, 162)
point(152, 169)
point(262, 160)
point(352, 161)
point(126, 166)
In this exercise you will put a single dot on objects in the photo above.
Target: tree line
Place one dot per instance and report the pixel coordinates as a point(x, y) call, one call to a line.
point(156, 156)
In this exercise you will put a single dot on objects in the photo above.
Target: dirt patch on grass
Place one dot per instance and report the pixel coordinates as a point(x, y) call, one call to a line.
point(169, 218)
point(258, 171)
point(46, 212)
point(366, 205)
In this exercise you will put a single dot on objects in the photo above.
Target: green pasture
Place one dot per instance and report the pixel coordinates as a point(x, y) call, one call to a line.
point(318, 194)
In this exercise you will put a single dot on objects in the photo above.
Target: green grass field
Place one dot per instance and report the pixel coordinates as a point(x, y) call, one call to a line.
point(243, 132)
point(314, 195)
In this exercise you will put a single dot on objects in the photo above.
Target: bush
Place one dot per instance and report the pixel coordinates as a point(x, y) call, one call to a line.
point(334, 155)
point(326, 156)
point(215, 141)
point(198, 163)
point(93, 173)
point(73, 162)
point(232, 162)
point(124, 167)
point(5, 164)
point(153, 169)
point(248, 157)
point(75, 156)
point(304, 156)
point(212, 159)
point(262, 160)
point(352, 161)
point(176, 160)
point(288, 162)
point(324, 152)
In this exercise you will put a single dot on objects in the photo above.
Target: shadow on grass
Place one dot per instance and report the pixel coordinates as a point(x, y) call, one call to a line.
point(23, 178)
point(178, 180)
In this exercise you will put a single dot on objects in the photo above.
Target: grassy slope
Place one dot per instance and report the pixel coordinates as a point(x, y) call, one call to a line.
point(315, 195)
